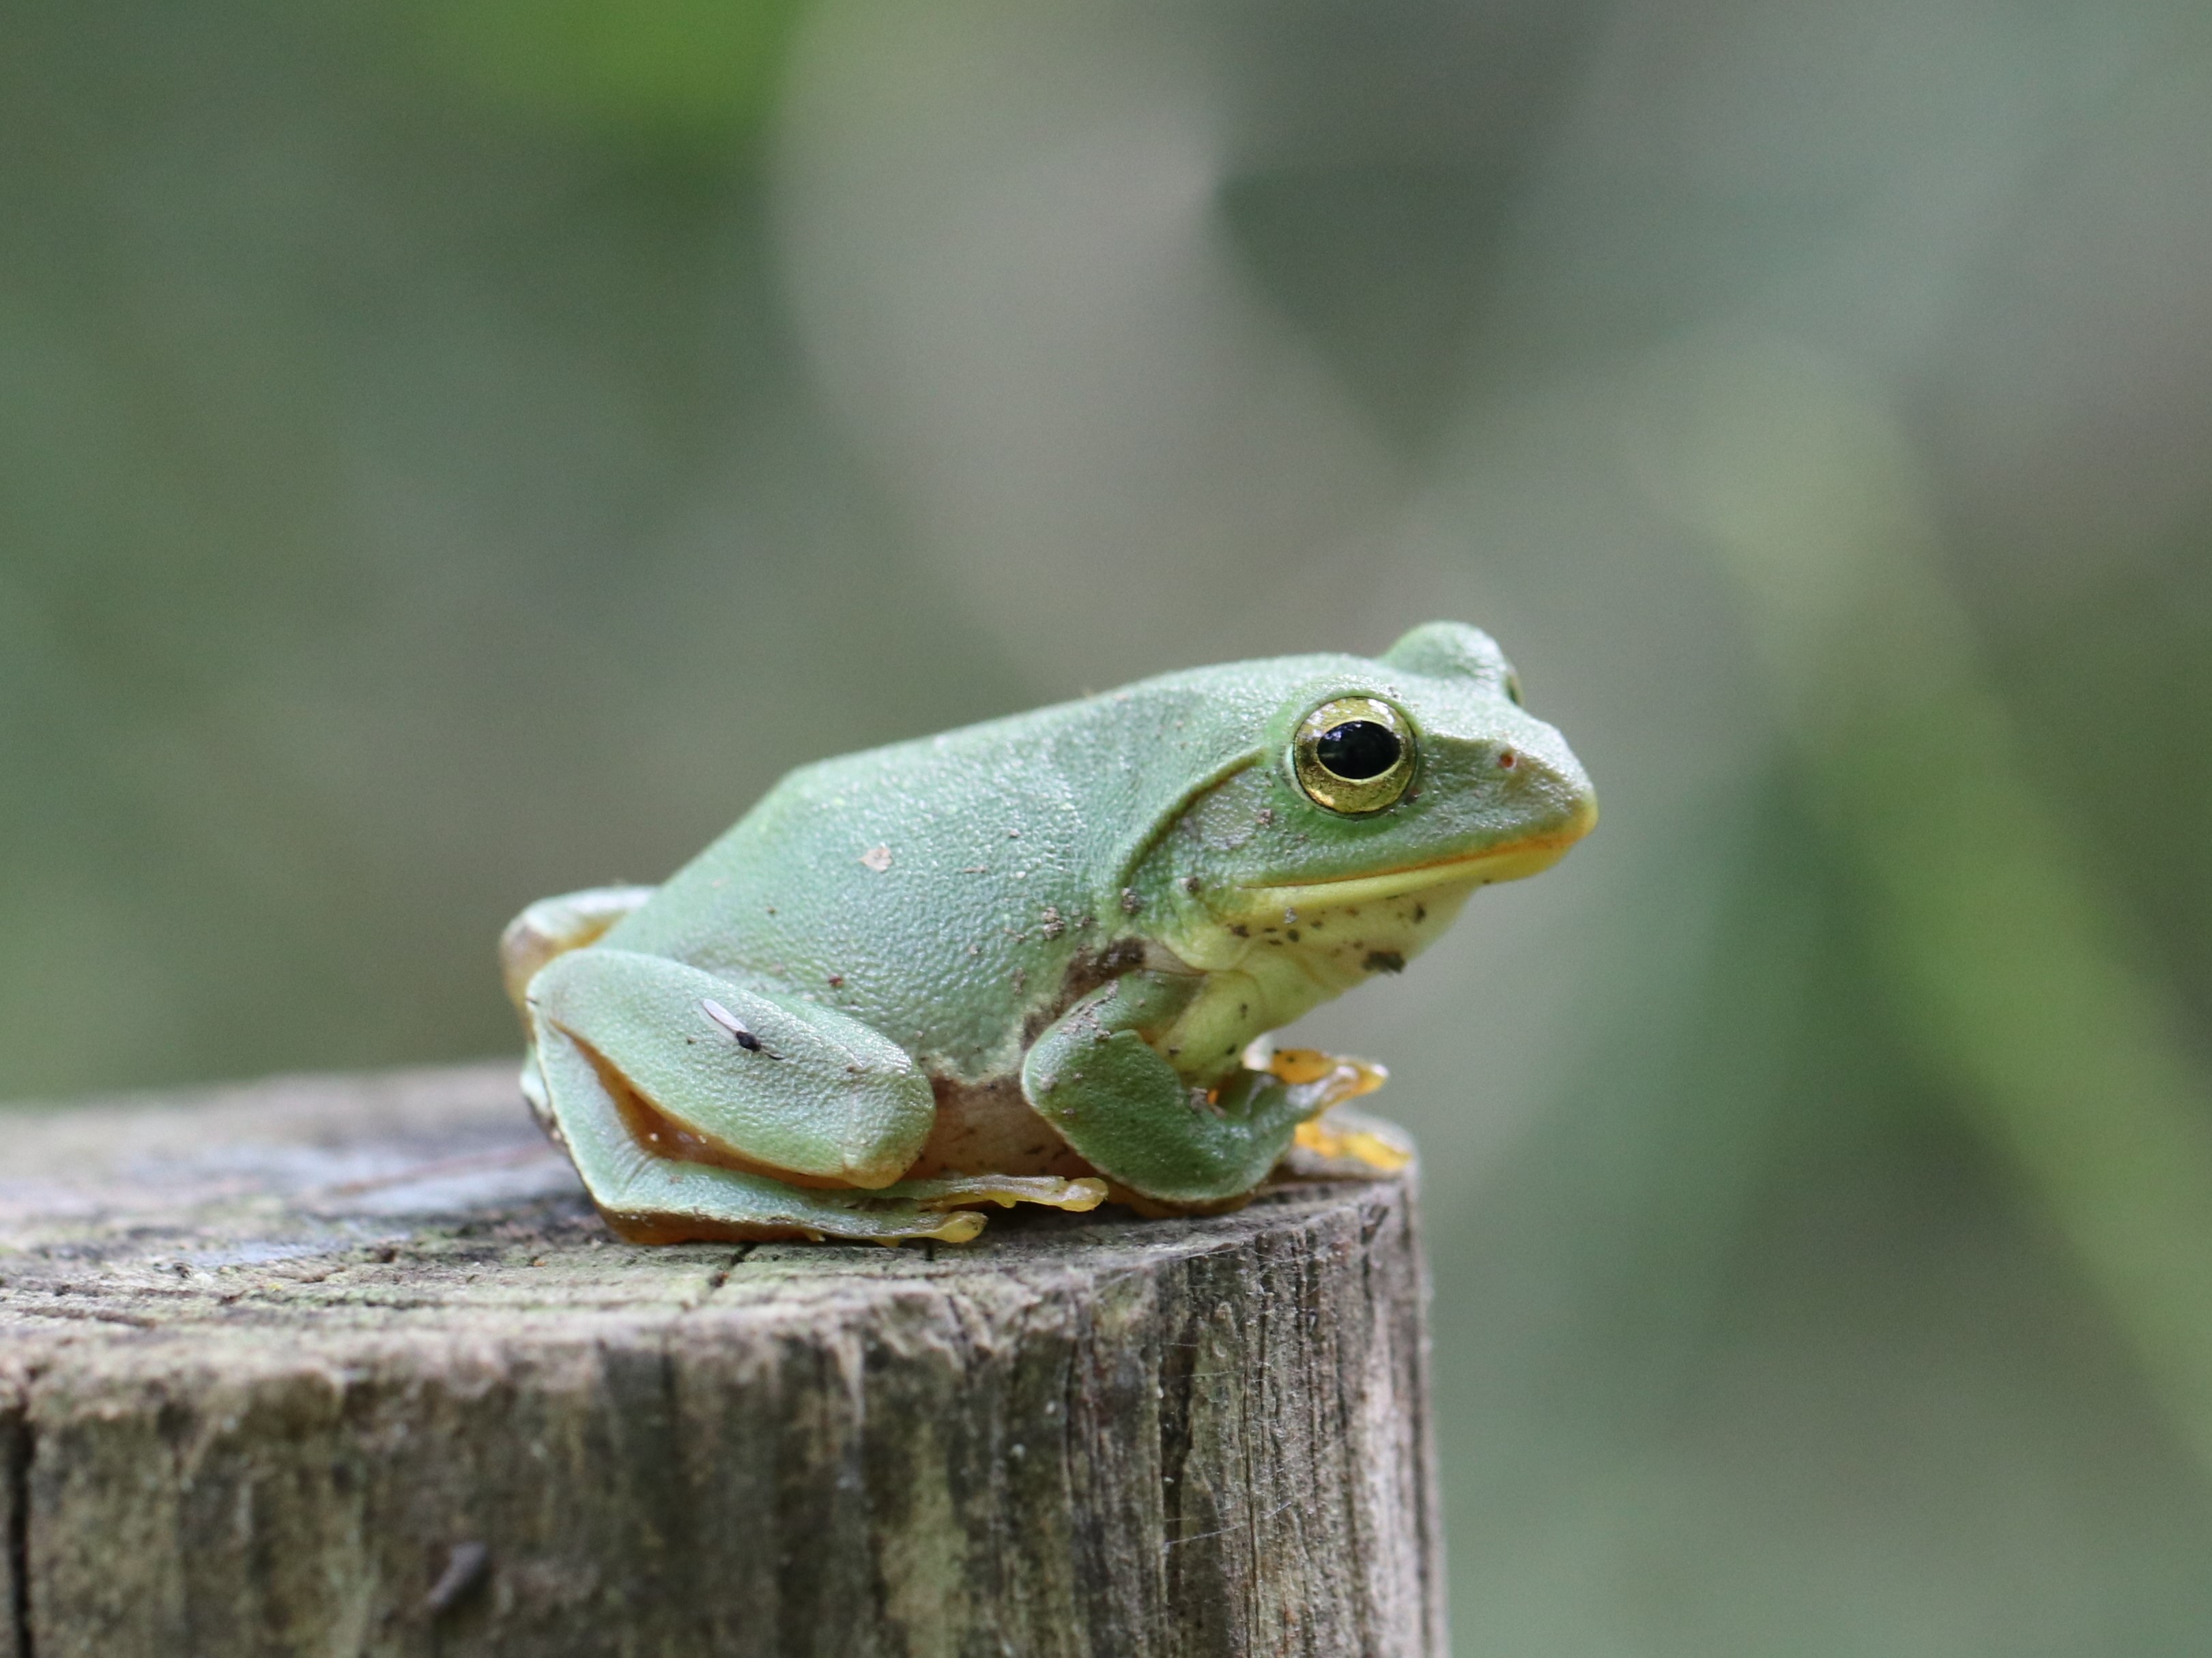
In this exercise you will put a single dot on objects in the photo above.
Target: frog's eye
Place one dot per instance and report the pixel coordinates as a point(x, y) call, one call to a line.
point(1353, 755)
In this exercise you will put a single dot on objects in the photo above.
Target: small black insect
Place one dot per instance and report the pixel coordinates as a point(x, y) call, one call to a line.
point(730, 1022)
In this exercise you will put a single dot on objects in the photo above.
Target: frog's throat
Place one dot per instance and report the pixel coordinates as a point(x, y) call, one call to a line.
point(1286, 949)
point(1260, 975)
point(1513, 862)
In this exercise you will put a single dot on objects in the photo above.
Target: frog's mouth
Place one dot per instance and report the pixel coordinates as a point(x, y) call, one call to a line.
point(1514, 861)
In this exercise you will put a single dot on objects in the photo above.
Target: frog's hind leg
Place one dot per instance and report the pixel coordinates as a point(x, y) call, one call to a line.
point(553, 927)
point(699, 1105)
point(650, 1199)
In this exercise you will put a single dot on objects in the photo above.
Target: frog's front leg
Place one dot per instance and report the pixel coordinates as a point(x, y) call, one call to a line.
point(1097, 1077)
point(662, 1076)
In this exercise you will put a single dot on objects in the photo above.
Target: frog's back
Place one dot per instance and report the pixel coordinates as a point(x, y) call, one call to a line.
point(947, 890)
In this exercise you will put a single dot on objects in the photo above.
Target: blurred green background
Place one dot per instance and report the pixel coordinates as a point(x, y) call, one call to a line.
point(452, 452)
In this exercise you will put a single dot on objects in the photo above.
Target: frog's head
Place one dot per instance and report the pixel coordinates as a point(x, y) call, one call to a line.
point(1378, 795)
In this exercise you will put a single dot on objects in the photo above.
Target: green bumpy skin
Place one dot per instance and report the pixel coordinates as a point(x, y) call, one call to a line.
point(1033, 960)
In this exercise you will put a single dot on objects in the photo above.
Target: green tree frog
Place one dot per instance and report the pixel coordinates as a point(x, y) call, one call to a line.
point(1034, 960)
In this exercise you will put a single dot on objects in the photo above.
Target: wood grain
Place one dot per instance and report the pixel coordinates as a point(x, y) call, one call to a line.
point(347, 1365)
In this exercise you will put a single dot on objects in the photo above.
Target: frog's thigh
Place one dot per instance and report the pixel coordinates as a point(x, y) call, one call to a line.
point(817, 1092)
point(659, 1200)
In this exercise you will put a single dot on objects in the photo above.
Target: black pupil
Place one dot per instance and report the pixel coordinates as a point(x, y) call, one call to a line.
point(1358, 750)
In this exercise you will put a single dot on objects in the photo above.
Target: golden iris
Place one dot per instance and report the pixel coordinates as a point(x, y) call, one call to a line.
point(1353, 755)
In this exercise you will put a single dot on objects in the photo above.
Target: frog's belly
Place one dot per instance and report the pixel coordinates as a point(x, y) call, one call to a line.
point(988, 1129)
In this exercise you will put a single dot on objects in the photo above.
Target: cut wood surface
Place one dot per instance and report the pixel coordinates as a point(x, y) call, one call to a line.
point(340, 1365)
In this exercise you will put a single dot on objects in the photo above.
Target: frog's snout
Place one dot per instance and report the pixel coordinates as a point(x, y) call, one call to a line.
point(1555, 793)
point(1582, 817)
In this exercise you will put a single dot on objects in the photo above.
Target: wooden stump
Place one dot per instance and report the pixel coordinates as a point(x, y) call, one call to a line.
point(348, 1365)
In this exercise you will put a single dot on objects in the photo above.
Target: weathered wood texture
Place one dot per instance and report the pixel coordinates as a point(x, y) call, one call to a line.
point(347, 1365)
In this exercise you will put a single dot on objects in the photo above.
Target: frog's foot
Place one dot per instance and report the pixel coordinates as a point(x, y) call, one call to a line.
point(1318, 1080)
point(1348, 1143)
point(1332, 1141)
point(673, 1202)
point(952, 1191)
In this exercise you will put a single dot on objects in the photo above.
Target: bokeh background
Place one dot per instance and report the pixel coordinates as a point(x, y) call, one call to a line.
point(452, 451)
